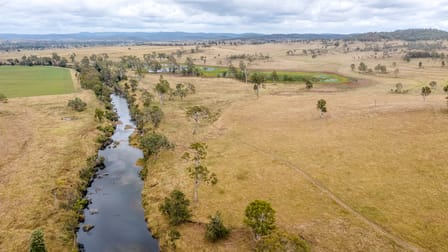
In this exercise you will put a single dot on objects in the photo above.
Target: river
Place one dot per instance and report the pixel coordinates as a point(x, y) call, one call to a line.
point(116, 209)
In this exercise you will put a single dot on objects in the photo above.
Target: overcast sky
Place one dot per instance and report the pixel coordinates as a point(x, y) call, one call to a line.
point(236, 16)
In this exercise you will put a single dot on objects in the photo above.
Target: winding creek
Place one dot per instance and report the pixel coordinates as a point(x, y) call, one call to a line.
point(115, 211)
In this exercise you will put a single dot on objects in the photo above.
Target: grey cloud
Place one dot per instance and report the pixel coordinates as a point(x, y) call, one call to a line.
point(265, 16)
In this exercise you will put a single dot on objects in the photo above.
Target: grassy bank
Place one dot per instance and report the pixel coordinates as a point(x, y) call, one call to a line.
point(45, 146)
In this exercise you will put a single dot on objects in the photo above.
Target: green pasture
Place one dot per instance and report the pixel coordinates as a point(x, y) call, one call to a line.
point(23, 81)
point(283, 76)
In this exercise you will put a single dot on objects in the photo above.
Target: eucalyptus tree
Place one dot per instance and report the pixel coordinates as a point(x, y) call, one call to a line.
point(162, 88)
point(154, 115)
point(147, 98)
point(322, 107)
point(308, 84)
point(197, 114)
point(275, 77)
point(258, 80)
point(198, 171)
point(260, 217)
point(243, 68)
point(426, 91)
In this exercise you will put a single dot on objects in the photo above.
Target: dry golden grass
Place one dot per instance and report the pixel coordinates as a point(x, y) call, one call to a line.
point(380, 153)
point(41, 153)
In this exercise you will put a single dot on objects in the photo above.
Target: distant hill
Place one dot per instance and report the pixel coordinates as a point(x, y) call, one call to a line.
point(409, 35)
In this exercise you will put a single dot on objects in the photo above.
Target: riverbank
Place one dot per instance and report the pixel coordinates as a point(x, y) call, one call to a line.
point(44, 146)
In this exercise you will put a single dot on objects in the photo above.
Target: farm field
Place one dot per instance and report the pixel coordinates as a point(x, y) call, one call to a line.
point(24, 81)
point(44, 146)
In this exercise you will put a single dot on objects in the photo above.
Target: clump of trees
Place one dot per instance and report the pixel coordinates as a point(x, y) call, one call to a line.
point(182, 90)
point(423, 54)
point(362, 67)
point(176, 208)
point(381, 68)
point(426, 91)
point(190, 68)
point(33, 60)
point(77, 104)
point(37, 243)
point(399, 89)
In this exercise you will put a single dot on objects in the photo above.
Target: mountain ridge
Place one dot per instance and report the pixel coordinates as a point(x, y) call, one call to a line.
point(406, 34)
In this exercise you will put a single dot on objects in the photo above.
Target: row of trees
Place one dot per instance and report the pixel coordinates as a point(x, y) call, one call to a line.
point(33, 60)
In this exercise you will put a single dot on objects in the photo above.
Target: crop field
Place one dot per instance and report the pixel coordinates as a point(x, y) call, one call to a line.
point(24, 81)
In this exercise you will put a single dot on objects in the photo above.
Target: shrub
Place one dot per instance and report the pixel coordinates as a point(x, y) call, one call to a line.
point(173, 236)
point(77, 104)
point(281, 241)
point(3, 98)
point(37, 241)
point(176, 208)
point(215, 229)
point(153, 143)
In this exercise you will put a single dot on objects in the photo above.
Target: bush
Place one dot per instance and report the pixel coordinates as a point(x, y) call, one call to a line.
point(215, 229)
point(173, 236)
point(153, 143)
point(176, 208)
point(77, 104)
point(37, 241)
point(280, 241)
point(3, 98)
